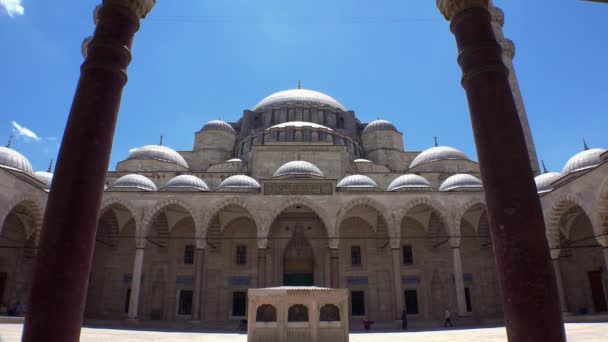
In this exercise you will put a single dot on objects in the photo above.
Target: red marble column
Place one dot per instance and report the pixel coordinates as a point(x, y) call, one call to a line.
point(530, 299)
point(197, 298)
point(63, 264)
point(334, 265)
point(261, 282)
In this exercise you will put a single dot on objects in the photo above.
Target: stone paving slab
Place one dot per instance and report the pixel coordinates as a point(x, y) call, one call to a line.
point(577, 332)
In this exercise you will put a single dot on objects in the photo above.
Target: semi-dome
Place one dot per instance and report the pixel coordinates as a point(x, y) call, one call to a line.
point(299, 96)
point(409, 182)
point(298, 168)
point(158, 152)
point(14, 160)
point(218, 125)
point(299, 124)
point(239, 182)
point(362, 161)
point(584, 160)
point(460, 181)
point(134, 181)
point(186, 182)
point(357, 181)
point(45, 177)
point(438, 153)
point(543, 182)
point(379, 125)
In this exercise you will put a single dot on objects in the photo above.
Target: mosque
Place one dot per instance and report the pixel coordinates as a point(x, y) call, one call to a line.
point(300, 192)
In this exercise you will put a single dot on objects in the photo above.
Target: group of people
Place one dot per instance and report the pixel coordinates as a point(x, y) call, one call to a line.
point(18, 309)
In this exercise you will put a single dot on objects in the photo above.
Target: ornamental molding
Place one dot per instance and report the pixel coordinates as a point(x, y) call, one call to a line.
point(451, 8)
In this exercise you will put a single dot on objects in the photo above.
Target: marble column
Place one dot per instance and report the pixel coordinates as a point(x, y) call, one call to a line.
point(334, 265)
point(199, 271)
point(57, 297)
point(459, 282)
point(138, 265)
point(560, 284)
point(399, 300)
point(605, 251)
point(530, 300)
point(261, 267)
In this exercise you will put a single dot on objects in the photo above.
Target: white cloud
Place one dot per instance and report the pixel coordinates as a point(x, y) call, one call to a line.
point(13, 7)
point(24, 132)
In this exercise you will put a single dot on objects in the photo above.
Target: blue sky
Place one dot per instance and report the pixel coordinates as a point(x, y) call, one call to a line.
point(197, 60)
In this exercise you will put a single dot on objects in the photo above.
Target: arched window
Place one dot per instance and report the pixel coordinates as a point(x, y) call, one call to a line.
point(297, 313)
point(329, 313)
point(266, 313)
point(340, 122)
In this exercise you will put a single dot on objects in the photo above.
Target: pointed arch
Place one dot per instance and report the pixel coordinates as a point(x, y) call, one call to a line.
point(601, 212)
point(437, 208)
point(463, 209)
point(294, 201)
point(35, 209)
point(159, 207)
point(216, 208)
point(370, 203)
point(112, 201)
point(559, 207)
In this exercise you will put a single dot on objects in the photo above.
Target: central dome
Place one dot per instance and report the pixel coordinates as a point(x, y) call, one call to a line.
point(299, 96)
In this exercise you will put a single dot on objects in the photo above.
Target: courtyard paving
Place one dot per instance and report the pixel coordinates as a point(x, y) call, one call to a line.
point(577, 332)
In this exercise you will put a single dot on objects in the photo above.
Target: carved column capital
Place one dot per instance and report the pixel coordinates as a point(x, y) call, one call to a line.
point(451, 8)
point(555, 252)
point(508, 48)
point(140, 7)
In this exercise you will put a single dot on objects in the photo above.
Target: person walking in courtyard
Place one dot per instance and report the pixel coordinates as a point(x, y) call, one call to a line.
point(404, 320)
point(448, 319)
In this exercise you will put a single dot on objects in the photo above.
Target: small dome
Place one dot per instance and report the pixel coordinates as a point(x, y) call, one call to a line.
point(14, 160)
point(187, 182)
point(44, 177)
point(134, 181)
point(239, 182)
point(438, 153)
point(298, 168)
point(299, 96)
point(300, 124)
point(219, 125)
point(379, 125)
point(362, 161)
point(158, 152)
point(234, 160)
point(543, 182)
point(357, 181)
point(460, 181)
point(408, 181)
point(584, 160)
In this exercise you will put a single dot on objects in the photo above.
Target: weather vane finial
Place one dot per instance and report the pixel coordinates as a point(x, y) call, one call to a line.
point(10, 141)
point(544, 166)
point(299, 84)
point(161, 140)
point(585, 145)
point(436, 142)
point(50, 166)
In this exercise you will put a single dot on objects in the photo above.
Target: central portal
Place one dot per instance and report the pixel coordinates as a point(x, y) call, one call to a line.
point(298, 262)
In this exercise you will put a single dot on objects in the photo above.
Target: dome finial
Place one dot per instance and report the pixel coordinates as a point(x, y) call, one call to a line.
point(299, 84)
point(585, 147)
point(50, 166)
point(10, 141)
point(161, 140)
point(544, 166)
point(436, 145)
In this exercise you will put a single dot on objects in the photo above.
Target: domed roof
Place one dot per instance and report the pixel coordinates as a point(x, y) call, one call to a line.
point(298, 168)
point(187, 182)
point(362, 161)
point(543, 182)
point(408, 181)
point(459, 181)
point(379, 125)
point(239, 182)
point(357, 181)
point(158, 152)
point(14, 160)
point(44, 177)
point(438, 153)
point(234, 160)
point(299, 124)
point(219, 125)
point(134, 181)
point(584, 160)
point(299, 96)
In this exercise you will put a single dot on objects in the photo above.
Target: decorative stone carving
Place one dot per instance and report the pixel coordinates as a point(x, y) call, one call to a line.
point(298, 188)
point(450, 8)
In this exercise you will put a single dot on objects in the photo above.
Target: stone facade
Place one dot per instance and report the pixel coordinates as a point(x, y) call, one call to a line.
point(181, 253)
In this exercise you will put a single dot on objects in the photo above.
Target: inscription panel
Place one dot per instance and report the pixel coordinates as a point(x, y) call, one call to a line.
point(298, 188)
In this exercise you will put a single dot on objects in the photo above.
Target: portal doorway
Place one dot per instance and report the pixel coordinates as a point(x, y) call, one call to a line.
point(298, 262)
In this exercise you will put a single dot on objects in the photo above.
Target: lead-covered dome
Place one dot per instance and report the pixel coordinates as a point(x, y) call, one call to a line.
point(218, 125)
point(239, 182)
point(379, 125)
point(357, 181)
point(438, 153)
point(584, 160)
point(460, 181)
point(543, 182)
point(409, 182)
point(158, 152)
point(186, 182)
point(45, 177)
point(361, 161)
point(298, 168)
point(134, 181)
point(14, 160)
point(299, 96)
point(299, 124)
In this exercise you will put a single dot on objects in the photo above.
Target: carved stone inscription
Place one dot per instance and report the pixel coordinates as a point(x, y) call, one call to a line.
point(298, 188)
